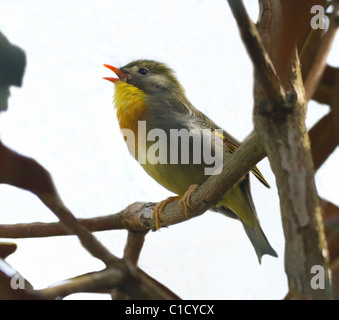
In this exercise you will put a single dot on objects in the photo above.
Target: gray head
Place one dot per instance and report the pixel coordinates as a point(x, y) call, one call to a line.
point(150, 76)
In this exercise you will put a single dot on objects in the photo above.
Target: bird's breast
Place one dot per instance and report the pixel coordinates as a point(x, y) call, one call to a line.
point(131, 105)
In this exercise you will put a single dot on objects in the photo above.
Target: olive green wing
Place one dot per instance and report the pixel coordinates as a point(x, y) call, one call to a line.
point(231, 147)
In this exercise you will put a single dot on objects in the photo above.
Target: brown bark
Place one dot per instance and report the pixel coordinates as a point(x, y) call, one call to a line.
point(279, 117)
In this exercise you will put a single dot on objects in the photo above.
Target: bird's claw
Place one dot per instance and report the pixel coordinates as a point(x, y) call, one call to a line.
point(159, 208)
point(186, 198)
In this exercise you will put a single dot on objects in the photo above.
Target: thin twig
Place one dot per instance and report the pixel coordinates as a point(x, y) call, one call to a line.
point(52, 229)
point(71, 225)
point(134, 244)
point(97, 282)
point(265, 71)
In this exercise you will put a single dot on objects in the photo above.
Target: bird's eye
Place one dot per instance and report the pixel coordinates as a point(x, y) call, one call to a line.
point(143, 71)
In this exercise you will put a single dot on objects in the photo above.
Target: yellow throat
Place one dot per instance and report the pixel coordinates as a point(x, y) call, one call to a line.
point(130, 104)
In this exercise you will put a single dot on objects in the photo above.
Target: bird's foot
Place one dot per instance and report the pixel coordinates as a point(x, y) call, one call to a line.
point(185, 200)
point(159, 208)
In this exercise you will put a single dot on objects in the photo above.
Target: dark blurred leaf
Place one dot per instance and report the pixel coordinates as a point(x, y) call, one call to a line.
point(12, 63)
point(324, 134)
point(325, 89)
point(6, 249)
point(323, 139)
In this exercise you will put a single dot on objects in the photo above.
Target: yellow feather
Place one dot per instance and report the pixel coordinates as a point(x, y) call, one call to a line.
point(130, 104)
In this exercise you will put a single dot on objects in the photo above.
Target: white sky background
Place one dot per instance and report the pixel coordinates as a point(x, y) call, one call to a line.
point(64, 118)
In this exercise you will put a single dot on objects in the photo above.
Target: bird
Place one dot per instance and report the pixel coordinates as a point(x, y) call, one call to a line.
point(148, 92)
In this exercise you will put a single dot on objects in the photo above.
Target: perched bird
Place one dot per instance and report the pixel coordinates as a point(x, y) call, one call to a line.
point(148, 92)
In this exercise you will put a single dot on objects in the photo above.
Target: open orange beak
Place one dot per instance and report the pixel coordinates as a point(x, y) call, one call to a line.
point(118, 72)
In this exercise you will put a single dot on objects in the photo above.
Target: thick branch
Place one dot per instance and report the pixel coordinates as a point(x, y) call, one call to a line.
point(288, 149)
point(285, 138)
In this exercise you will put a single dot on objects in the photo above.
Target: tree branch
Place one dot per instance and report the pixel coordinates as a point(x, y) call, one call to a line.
point(22, 172)
point(97, 282)
point(52, 229)
point(264, 69)
point(319, 63)
point(103, 281)
point(137, 217)
point(134, 244)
